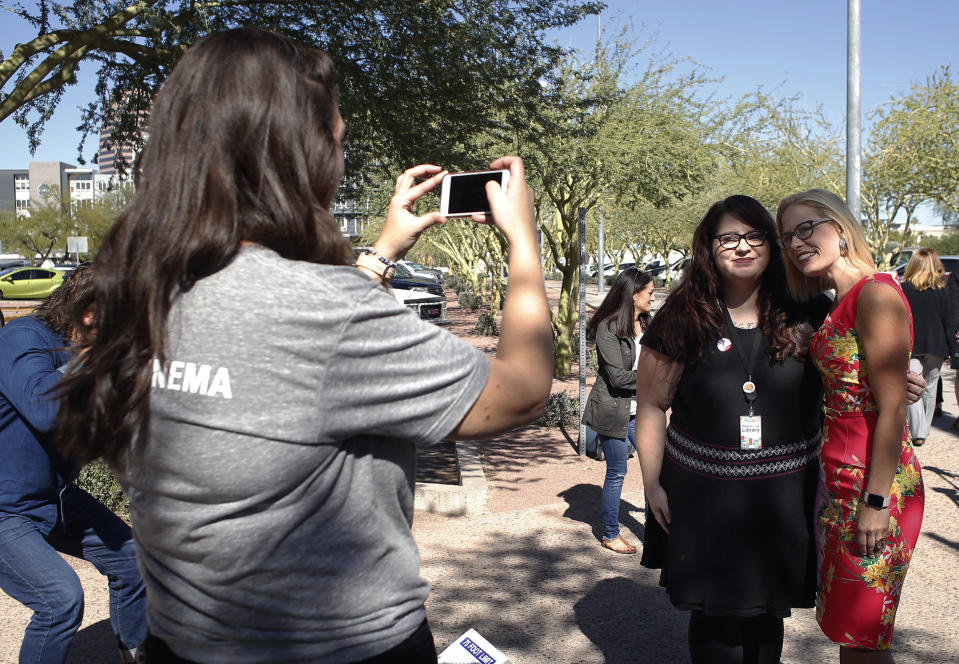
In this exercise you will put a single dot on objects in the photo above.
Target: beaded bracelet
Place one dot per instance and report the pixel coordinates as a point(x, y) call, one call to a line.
point(379, 265)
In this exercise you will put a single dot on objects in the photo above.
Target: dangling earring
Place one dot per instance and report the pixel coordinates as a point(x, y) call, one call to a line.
point(843, 247)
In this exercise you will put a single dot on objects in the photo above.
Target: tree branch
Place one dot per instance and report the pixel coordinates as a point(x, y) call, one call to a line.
point(67, 57)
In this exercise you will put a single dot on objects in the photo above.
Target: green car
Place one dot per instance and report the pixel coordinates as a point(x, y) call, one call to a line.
point(29, 283)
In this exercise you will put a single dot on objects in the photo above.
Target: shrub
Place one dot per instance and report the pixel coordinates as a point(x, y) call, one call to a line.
point(592, 360)
point(455, 283)
point(486, 325)
point(469, 301)
point(561, 408)
point(97, 480)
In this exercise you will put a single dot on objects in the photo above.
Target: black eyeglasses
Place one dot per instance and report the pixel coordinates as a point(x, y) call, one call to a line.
point(732, 240)
point(803, 231)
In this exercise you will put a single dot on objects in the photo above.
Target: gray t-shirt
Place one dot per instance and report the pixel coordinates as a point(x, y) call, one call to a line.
point(273, 497)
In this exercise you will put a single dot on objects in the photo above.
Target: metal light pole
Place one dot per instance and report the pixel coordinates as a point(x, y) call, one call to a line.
point(582, 329)
point(601, 267)
point(853, 125)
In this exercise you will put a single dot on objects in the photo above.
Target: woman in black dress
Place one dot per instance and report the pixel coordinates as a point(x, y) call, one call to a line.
point(731, 484)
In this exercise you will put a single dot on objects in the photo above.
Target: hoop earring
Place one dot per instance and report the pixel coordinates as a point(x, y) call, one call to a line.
point(843, 247)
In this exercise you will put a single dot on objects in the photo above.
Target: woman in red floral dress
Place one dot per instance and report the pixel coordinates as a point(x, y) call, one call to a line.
point(870, 499)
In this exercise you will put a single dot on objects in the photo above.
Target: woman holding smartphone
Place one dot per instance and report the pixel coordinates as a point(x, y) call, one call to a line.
point(261, 398)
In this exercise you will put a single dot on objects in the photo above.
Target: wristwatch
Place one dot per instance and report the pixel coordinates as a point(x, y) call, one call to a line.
point(876, 501)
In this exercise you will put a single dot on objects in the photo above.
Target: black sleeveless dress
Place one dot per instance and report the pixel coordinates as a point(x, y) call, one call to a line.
point(741, 540)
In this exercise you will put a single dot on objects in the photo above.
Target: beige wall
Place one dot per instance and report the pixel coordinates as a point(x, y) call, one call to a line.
point(50, 173)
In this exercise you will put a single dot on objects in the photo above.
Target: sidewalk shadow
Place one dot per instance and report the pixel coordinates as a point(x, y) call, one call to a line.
point(95, 644)
point(584, 503)
point(944, 424)
point(632, 623)
point(949, 477)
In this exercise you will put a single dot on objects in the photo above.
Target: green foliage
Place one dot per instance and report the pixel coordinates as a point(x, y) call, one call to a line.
point(602, 142)
point(457, 284)
point(97, 480)
point(947, 245)
point(486, 325)
point(561, 409)
point(47, 227)
point(451, 69)
point(912, 158)
point(592, 360)
point(470, 301)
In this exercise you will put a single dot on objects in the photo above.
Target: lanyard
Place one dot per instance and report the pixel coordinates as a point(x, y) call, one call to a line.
point(749, 387)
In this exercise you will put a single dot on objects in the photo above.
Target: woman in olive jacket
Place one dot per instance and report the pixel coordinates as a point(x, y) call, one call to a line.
point(610, 410)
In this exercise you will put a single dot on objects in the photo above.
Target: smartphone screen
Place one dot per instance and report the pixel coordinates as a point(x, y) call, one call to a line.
point(465, 193)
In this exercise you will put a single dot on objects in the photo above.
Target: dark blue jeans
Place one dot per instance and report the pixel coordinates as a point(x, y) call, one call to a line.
point(32, 572)
point(616, 451)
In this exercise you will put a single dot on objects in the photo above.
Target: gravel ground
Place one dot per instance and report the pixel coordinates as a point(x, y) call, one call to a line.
point(530, 576)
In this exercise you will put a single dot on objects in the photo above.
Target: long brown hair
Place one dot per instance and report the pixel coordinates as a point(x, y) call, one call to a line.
point(241, 148)
point(691, 319)
point(58, 309)
point(618, 305)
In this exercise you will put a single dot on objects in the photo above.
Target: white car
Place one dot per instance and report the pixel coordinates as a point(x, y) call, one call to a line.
point(429, 307)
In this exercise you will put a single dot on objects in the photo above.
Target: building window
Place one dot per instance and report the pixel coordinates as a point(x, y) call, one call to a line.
point(23, 204)
point(21, 182)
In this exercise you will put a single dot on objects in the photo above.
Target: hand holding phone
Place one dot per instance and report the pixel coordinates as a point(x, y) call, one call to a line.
point(402, 228)
point(464, 194)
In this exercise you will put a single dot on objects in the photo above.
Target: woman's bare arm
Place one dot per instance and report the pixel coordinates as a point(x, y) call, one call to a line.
point(656, 380)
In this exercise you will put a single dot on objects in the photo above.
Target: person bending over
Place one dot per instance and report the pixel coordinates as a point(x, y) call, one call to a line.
point(42, 512)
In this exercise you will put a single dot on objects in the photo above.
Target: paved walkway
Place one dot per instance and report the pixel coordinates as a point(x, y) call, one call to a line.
point(530, 576)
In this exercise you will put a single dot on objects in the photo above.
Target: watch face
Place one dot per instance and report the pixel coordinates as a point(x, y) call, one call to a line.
point(875, 501)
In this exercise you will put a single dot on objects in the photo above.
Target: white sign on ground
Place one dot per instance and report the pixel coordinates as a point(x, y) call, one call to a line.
point(471, 648)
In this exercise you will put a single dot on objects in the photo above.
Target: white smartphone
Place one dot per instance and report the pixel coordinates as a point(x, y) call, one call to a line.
point(463, 194)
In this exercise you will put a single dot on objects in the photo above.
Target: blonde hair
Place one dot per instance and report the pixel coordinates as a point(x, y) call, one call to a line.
point(831, 207)
point(924, 270)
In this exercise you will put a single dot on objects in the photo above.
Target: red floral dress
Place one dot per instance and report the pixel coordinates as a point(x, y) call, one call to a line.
point(857, 599)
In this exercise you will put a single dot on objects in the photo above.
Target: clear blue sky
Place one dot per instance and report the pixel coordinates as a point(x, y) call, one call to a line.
point(783, 45)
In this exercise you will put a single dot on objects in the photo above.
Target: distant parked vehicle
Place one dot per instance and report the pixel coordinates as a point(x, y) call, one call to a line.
point(951, 263)
point(678, 268)
point(28, 283)
point(609, 270)
point(422, 271)
point(429, 307)
point(406, 280)
point(655, 268)
point(12, 260)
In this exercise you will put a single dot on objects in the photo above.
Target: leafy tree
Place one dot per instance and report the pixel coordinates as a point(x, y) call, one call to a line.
point(38, 234)
point(912, 159)
point(947, 245)
point(773, 147)
point(418, 78)
point(600, 140)
point(48, 225)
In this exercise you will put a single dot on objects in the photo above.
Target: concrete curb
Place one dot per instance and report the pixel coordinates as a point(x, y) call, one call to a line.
point(467, 497)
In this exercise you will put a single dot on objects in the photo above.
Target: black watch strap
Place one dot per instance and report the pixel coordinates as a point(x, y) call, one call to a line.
point(876, 501)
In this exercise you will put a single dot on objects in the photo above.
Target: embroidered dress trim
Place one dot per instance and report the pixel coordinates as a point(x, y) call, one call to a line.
point(729, 463)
